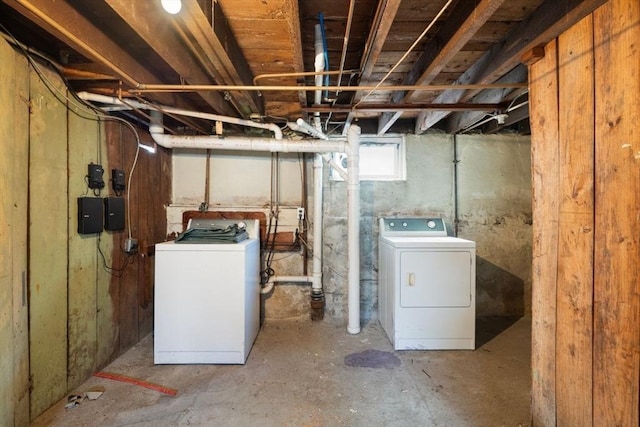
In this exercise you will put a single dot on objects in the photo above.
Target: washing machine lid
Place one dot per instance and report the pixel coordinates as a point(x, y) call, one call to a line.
point(252, 226)
point(233, 233)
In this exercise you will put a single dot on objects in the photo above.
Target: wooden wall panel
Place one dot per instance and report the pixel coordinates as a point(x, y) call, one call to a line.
point(543, 102)
point(66, 322)
point(617, 183)
point(590, 362)
point(128, 282)
point(107, 285)
point(14, 356)
point(84, 148)
point(48, 233)
point(575, 234)
point(146, 221)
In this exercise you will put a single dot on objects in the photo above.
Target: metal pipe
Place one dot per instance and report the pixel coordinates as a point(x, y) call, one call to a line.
point(456, 214)
point(145, 88)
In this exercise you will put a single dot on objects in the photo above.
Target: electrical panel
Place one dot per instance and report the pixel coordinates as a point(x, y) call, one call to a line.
point(118, 180)
point(113, 213)
point(94, 176)
point(89, 215)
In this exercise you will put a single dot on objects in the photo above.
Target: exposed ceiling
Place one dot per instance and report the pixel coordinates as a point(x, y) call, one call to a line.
point(393, 63)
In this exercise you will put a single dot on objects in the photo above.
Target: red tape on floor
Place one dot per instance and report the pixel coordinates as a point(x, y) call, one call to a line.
point(130, 380)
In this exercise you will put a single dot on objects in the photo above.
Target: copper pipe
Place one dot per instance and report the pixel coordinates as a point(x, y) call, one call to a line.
point(144, 88)
point(299, 74)
point(382, 108)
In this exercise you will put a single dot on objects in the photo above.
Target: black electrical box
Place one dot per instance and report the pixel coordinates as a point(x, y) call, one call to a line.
point(94, 176)
point(113, 213)
point(89, 215)
point(118, 180)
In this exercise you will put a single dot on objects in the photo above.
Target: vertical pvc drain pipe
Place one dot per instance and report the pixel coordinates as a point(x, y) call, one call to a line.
point(317, 224)
point(353, 225)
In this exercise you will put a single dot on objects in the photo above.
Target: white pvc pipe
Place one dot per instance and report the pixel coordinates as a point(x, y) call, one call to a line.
point(248, 144)
point(332, 162)
point(292, 279)
point(317, 223)
point(307, 128)
point(104, 99)
point(353, 225)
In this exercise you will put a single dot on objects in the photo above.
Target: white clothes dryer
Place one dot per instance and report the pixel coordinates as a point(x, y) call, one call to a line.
point(426, 285)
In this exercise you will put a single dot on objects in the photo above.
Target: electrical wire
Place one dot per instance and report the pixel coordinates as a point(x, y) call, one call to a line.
point(118, 272)
point(80, 105)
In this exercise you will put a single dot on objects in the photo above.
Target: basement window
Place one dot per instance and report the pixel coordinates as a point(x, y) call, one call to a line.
point(382, 158)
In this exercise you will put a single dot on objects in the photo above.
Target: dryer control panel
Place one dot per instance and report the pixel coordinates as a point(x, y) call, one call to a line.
point(410, 227)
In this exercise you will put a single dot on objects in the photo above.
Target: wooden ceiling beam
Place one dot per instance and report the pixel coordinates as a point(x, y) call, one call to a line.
point(462, 120)
point(154, 29)
point(63, 21)
point(548, 21)
point(382, 22)
point(463, 23)
point(218, 51)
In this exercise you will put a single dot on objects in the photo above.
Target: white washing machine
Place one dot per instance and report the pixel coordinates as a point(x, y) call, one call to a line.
point(207, 298)
point(426, 285)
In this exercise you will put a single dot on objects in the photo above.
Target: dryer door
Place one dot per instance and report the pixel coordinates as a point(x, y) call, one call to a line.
point(431, 278)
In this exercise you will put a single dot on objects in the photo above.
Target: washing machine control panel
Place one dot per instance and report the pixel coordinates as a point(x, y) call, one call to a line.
point(413, 226)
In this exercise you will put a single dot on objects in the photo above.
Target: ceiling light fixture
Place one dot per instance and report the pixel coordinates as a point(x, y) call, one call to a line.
point(147, 148)
point(172, 6)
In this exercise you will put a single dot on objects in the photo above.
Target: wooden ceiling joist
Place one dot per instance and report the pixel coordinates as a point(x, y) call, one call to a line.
point(465, 20)
point(155, 31)
point(460, 121)
point(218, 49)
point(548, 21)
point(63, 21)
point(382, 22)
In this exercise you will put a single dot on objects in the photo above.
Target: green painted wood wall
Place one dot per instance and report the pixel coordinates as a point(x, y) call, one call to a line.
point(14, 354)
point(63, 314)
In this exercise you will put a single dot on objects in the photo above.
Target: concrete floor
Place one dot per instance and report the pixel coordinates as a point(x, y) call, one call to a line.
point(303, 373)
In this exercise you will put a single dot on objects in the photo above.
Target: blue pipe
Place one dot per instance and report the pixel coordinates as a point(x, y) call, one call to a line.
point(326, 52)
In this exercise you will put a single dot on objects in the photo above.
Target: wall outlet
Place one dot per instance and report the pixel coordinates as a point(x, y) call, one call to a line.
point(131, 246)
point(300, 213)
